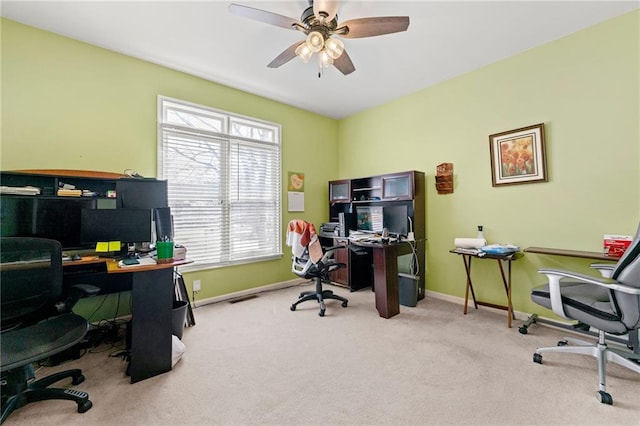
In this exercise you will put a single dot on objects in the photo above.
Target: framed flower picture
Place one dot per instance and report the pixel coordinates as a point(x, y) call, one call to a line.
point(518, 156)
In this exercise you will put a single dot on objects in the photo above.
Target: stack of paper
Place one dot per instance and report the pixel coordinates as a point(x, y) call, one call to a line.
point(19, 190)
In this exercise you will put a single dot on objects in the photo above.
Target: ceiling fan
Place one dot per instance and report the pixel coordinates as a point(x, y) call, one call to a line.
point(319, 22)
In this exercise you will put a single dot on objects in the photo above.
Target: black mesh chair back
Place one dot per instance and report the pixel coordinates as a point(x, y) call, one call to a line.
point(31, 279)
point(36, 324)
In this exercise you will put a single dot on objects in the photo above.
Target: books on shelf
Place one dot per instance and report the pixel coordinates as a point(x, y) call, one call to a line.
point(32, 190)
point(62, 192)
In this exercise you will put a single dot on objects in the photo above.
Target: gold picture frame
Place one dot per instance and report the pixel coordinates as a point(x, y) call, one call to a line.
point(518, 156)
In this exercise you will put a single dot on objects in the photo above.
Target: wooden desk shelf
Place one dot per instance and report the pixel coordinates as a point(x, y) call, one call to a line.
point(571, 253)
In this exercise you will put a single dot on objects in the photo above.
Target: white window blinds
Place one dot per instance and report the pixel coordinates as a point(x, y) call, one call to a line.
point(223, 174)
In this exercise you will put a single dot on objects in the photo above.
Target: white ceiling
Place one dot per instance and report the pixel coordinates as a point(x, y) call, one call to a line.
point(444, 39)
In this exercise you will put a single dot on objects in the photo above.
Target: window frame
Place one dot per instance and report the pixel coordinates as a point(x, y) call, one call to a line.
point(225, 165)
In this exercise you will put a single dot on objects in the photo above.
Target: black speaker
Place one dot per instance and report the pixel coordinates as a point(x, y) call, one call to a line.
point(346, 222)
point(164, 223)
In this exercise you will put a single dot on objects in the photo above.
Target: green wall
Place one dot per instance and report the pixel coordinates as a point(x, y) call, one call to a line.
point(66, 104)
point(584, 88)
point(70, 105)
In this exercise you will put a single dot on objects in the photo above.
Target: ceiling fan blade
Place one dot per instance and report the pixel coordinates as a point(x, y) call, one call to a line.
point(369, 27)
point(329, 7)
point(288, 54)
point(264, 16)
point(344, 64)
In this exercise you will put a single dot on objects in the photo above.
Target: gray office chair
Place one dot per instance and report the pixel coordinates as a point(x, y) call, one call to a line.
point(610, 304)
point(35, 324)
point(303, 266)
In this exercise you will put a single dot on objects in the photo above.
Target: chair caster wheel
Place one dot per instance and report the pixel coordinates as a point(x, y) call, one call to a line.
point(605, 398)
point(77, 380)
point(321, 313)
point(293, 307)
point(523, 330)
point(85, 406)
point(344, 304)
point(537, 358)
point(563, 343)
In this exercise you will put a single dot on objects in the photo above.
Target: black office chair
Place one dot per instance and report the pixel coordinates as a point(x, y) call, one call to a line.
point(303, 264)
point(610, 305)
point(35, 324)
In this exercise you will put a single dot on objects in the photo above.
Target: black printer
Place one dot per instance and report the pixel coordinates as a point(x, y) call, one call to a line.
point(329, 229)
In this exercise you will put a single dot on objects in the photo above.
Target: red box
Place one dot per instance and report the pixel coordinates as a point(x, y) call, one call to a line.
point(615, 245)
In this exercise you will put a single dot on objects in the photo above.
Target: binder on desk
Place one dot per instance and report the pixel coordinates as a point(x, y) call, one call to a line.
point(471, 251)
point(500, 249)
point(130, 262)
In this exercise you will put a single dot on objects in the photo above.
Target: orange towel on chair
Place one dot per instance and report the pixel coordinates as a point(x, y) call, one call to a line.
point(301, 234)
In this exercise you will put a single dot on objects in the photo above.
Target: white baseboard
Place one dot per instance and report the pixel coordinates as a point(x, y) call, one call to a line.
point(460, 301)
point(248, 292)
point(284, 284)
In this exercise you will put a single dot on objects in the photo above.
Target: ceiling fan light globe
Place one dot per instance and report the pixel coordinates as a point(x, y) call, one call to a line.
point(324, 59)
point(334, 47)
point(315, 41)
point(304, 53)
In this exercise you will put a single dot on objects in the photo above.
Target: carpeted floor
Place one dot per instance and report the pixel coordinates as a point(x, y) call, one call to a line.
point(256, 362)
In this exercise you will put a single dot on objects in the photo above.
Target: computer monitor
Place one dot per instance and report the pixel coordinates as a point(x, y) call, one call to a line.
point(141, 193)
point(125, 225)
point(56, 219)
point(164, 223)
point(395, 219)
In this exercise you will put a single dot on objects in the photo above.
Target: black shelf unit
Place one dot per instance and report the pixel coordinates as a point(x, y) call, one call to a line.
point(398, 192)
point(58, 217)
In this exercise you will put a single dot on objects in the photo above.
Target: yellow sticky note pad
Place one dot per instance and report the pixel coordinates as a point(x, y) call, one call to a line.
point(114, 245)
point(102, 247)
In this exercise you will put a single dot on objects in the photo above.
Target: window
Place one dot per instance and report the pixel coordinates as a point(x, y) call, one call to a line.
point(223, 174)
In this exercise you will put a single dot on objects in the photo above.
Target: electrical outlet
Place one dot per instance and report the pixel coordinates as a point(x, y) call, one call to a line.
point(196, 285)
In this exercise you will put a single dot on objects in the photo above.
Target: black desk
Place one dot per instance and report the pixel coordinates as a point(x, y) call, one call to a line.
point(385, 274)
point(506, 280)
point(152, 288)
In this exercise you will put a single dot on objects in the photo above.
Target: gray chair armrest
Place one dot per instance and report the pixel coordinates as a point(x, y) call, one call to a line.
point(328, 252)
point(605, 269)
point(556, 275)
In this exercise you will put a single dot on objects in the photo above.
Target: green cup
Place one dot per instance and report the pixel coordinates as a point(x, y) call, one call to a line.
point(165, 251)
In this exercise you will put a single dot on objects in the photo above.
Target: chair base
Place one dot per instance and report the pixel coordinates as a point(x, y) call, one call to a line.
point(603, 354)
point(320, 296)
point(19, 392)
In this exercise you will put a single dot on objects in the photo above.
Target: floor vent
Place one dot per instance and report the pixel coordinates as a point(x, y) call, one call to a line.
point(243, 298)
